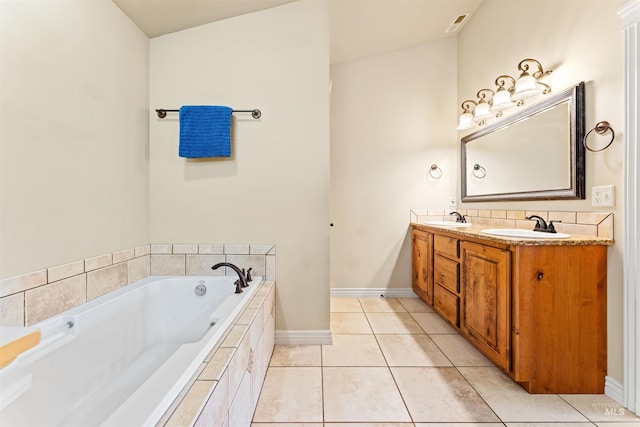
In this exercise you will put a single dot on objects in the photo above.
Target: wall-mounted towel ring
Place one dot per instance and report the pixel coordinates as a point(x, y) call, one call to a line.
point(435, 172)
point(478, 171)
point(600, 128)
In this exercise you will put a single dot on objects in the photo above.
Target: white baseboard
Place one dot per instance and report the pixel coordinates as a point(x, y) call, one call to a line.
point(614, 389)
point(310, 337)
point(373, 292)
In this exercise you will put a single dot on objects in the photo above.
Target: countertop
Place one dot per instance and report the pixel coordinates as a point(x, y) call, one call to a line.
point(475, 231)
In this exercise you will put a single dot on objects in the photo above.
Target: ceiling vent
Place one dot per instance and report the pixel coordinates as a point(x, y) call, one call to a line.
point(458, 22)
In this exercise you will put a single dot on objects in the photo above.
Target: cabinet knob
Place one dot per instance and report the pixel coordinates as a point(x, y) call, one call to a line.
point(540, 275)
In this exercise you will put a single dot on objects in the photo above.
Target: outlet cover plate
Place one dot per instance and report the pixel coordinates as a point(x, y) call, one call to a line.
point(603, 195)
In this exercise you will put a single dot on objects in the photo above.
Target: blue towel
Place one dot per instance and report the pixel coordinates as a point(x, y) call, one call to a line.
point(205, 131)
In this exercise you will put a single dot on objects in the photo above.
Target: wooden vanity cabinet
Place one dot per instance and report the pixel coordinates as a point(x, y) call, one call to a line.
point(537, 311)
point(422, 265)
point(486, 300)
point(446, 278)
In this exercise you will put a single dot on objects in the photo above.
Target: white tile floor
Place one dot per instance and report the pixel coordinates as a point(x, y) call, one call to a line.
point(395, 363)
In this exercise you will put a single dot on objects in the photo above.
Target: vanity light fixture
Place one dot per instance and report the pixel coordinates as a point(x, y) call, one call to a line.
point(528, 85)
point(509, 93)
point(482, 109)
point(466, 119)
point(502, 98)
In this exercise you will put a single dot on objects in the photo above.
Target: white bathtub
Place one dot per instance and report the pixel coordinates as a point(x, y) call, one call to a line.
point(121, 359)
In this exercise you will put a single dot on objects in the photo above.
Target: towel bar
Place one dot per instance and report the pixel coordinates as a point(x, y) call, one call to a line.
point(255, 113)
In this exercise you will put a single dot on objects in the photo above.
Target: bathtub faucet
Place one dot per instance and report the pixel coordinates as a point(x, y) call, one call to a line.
point(241, 282)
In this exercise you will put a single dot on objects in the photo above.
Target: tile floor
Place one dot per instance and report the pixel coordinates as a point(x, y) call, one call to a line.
point(396, 363)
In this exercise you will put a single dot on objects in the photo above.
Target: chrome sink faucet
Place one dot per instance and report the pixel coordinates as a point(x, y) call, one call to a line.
point(241, 282)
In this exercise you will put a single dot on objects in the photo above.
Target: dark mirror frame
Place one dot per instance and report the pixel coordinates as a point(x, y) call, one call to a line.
point(575, 96)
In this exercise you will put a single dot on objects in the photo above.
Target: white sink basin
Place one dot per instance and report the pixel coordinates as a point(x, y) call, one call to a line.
point(448, 223)
point(525, 234)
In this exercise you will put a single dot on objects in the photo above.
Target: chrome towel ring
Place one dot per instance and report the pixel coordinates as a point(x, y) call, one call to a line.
point(478, 171)
point(601, 128)
point(435, 172)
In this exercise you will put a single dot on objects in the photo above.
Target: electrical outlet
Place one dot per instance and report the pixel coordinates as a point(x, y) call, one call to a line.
point(602, 195)
point(452, 201)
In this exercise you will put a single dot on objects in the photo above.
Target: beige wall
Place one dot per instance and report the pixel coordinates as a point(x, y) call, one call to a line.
point(275, 187)
point(579, 41)
point(73, 134)
point(392, 116)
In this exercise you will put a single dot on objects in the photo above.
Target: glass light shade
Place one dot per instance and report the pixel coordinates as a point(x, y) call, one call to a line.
point(501, 101)
point(482, 112)
point(466, 121)
point(526, 87)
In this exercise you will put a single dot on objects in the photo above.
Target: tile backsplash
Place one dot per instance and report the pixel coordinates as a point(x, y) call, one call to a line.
point(35, 296)
point(592, 224)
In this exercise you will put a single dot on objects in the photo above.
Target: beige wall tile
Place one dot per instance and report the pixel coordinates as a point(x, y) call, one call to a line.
point(23, 282)
point(217, 365)
point(12, 310)
point(123, 255)
point(240, 412)
point(239, 364)
point(215, 412)
point(185, 249)
point(593, 218)
point(260, 249)
point(472, 212)
point(235, 336)
point(501, 222)
point(480, 221)
point(191, 405)
point(484, 213)
point(211, 249)
point(167, 265)
point(138, 268)
point(515, 214)
point(256, 262)
point(270, 274)
point(161, 248)
point(436, 212)
point(99, 261)
point(579, 229)
point(142, 250)
point(568, 217)
point(236, 249)
point(48, 300)
point(498, 214)
point(200, 265)
point(64, 271)
point(605, 228)
point(107, 279)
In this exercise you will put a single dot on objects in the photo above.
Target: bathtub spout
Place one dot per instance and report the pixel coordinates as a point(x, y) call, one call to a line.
point(241, 282)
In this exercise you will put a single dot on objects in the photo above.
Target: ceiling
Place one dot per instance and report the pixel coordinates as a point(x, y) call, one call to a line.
point(358, 27)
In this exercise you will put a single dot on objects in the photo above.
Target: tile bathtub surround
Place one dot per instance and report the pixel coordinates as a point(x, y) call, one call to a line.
point(32, 297)
point(420, 374)
point(35, 296)
point(197, 259)
point(592, 224)
point(226, 387)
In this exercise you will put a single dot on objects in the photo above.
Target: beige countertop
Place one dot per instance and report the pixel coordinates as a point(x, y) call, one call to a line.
point(475, 231)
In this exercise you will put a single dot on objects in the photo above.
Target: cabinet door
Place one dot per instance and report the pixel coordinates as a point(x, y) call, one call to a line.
point(485, 292)
point(422, 265)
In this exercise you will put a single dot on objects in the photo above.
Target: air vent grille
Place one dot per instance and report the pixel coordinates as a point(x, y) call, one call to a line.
point(458, 22)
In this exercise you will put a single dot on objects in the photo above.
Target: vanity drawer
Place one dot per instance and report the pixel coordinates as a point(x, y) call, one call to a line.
point(445, 245)
point(447, 304)
point(446, 273)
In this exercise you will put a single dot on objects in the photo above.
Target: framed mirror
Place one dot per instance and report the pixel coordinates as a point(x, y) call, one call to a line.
point(535, 154)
